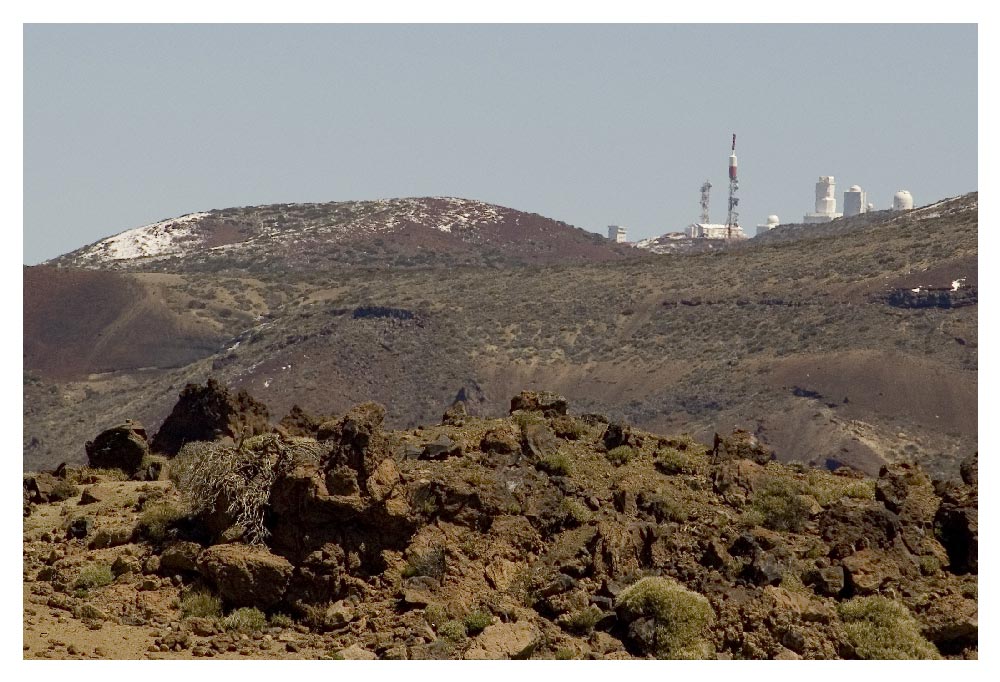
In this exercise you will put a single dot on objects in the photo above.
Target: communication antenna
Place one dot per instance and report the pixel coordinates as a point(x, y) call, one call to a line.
point(732, 220)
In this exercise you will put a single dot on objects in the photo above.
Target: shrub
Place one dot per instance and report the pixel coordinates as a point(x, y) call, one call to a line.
point(453, 631)
point(157, 519)
point(679, 616)
point(477, 621)
point(210, 474)
point(827, 488)
point(880, 628)
point(673, 461)
point(94, 575)
point(780, 505)
point(620, 455)
point(245, 620)
point(63, 490)
point(200, 604)
point(557, 464)
point(565, 654)
point(435, 615)
point(575, 511)
point(582, 621)
point(281, 620)
point(431, 562)
point(663, 507)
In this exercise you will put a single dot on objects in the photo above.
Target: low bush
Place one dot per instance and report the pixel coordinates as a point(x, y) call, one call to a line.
point(94, 575)
point(477, 621)
point(679, 616)
point(157, 519)
point(452, 630)
point(620, 455)
point(245, 620)
point(431, 563)
point(780, 505)
point(281, 620)
point(556, 464)
point(575, 511)
point(882, 629)
point(200, 604)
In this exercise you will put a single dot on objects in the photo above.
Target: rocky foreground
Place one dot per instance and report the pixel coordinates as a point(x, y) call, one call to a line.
point(539, 535)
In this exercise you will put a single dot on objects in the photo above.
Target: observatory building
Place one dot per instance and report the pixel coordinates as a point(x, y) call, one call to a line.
point(616, 233)
point(855, 201)
point(902, 201)
point(772, 222)
point(826, 202)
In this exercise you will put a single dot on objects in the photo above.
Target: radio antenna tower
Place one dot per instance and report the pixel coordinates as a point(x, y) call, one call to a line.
point(705, 189)
point(732, 220)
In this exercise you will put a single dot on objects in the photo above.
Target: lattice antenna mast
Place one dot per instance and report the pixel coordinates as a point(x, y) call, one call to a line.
point(732, 220)
point(705, 190)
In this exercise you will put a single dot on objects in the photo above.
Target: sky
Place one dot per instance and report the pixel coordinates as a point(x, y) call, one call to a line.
point(125, 125)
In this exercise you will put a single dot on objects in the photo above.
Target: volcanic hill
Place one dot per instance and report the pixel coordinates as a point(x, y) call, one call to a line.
point(852, 344)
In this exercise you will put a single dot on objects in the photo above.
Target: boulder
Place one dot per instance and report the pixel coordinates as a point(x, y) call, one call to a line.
point(740, 445)
point(952, 623)
point(473, 397)
point(356, 440)
point(455, 415)
point(618, 434)
point(94, 494)
point(549, 404)
point(179, 557)
point(208, 413)
point(122, 447)
point(301, 424)
point(539, 441)
point(969, 469)
point(442, 448)
point(418, 591)
point(505, 641)
point(828, 582)
point(246, 575)
point(80, 527)
point(503, 440)
point(356, 653)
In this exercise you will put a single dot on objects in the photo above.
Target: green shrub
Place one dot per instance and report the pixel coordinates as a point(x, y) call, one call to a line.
point(435, 615)
point(672, 461)
point(827, 488)
point(557, 464)
point(94, 575)
point(477, 621)
point(453, 631)
point(245, 620)
point(575, 511)
point(780, 505)
point(157, 519)
point(565, 654)
point(582, 621)
point(620, 455)
point(663, 507)
point(281, 620)
point(200, 604)
point(679, 615)
point(880, 628)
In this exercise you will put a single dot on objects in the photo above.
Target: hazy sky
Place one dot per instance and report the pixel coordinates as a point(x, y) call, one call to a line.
point(595, 125)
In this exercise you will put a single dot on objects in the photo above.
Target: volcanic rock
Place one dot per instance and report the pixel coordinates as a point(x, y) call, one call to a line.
point(208, 413)
point(245, 575)
point(122, 447)
point(549, 404)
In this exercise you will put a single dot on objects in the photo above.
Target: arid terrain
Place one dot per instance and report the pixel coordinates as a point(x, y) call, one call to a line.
point(541, 535)
point(809, 337)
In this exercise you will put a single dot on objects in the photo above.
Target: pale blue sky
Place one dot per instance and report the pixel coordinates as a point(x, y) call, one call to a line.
point(127, 124)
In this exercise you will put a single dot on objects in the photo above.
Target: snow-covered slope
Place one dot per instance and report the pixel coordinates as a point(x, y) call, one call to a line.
point(412, 231)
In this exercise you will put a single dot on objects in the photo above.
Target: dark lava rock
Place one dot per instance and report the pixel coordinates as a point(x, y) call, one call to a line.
point(455, 415)
point(208, 413)
point(80, 527)
point(443, 448)
point(549, 404)
point(121, 447)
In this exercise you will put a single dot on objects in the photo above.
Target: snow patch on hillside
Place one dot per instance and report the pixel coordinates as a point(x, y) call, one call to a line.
point(157, 239)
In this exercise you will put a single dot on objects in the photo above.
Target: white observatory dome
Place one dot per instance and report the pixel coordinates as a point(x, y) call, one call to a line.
point(773, 220)
point(855, 188)
point(902, 201)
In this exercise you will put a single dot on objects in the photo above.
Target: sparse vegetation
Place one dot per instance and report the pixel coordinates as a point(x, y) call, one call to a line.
point(882, 629)
point(576, 511)
point(557, 464)
point(620, 455)
point(477, 621)
point(452, 630)
point(157, 518)
point(680, 616)
point(200, 604)
point(431, 563)
point(94, 575)
point(245, 619)
point(779, 505)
